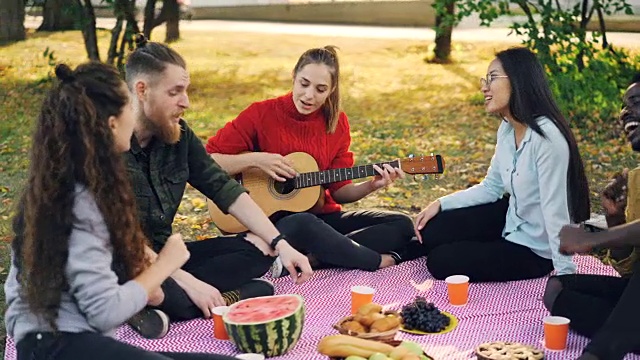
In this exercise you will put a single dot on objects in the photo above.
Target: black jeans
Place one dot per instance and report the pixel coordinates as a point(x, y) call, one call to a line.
point(603, 308)
point(469, 241)
point(225, 262)
point(351, 239)
point(94, 346)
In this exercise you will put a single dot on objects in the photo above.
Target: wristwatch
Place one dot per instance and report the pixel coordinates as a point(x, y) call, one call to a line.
point(276, 239)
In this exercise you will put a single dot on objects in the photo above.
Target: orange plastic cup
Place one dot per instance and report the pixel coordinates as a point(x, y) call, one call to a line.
point(219, 332)
point(361, 295)
point(458, 289)
point(556, 329)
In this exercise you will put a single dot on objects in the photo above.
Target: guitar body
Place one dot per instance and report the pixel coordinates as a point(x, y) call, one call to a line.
point(303, 193)
point(271, 196)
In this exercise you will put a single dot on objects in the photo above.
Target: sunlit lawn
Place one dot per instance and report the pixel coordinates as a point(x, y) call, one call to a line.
point(397, 105)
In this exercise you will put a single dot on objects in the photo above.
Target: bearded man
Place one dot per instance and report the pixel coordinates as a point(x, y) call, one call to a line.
point(165, 155)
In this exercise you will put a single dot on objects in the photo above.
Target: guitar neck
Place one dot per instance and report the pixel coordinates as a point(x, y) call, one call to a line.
point(316, 178)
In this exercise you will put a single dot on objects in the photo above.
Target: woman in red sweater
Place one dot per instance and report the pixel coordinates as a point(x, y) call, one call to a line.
point(308, 119)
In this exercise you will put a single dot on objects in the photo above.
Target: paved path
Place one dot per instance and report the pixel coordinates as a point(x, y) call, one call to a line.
point(466, 32)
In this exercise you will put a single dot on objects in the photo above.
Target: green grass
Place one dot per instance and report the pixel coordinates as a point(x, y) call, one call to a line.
point(397, 105)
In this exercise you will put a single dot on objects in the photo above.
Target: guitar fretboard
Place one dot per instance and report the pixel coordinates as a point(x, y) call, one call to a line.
point(316, 178)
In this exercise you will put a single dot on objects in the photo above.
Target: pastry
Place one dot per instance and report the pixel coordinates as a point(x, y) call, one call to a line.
point(386, 323)
point(369, 319)
point(354, 326)
point(343, 346)
point(369, 308)
point(501, 350)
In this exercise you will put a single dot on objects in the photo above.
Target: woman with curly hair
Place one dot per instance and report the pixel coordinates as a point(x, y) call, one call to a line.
point(78, 263)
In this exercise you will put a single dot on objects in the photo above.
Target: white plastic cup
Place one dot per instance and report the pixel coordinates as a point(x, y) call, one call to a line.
point(250, 356)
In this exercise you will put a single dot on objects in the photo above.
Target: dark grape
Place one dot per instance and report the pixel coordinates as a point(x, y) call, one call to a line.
point(423, 316)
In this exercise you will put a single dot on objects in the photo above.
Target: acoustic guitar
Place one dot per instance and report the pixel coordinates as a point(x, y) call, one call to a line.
point(304, 191)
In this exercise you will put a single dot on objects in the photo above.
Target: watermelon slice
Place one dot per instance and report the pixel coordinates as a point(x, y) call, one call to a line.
point(269, 325)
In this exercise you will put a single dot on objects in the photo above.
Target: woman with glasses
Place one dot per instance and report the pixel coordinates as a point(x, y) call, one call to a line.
point(506, 228)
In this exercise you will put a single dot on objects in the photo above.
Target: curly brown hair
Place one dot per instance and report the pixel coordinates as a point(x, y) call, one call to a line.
point(74, 144)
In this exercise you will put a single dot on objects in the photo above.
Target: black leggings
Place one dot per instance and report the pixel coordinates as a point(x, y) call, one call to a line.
point(94, 346)
point(225, 263)
point(469, 241)
point(352, 239)
point(603, 308)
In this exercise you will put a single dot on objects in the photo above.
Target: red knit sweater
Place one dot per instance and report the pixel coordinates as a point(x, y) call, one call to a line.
point(276, 126)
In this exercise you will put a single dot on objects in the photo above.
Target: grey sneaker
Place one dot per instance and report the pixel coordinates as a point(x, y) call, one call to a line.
point(254, 288)
point(150, 323)
point(277, 269)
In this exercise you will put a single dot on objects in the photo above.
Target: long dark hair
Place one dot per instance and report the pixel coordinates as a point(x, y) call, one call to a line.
point(530, 98)
point(73, 144)
point(328, 56)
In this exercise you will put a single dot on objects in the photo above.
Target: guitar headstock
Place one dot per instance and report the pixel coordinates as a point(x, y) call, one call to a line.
point(423, 164)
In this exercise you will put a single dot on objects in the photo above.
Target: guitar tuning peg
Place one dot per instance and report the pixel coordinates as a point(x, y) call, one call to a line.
point(431, 154)
point(410, 156)
point(420, 177)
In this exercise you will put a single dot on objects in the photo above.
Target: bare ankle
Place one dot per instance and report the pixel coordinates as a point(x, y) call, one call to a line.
point(156, 298)
point(259, 243)
point(386, 261)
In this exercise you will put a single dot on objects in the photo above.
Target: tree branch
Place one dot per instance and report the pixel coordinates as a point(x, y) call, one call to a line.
point(524, 5)
point(89, 30)
point(115, 36)
point(603, 28)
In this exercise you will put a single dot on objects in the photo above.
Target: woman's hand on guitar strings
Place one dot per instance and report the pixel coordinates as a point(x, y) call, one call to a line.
point(275, 165)
point(387, 175)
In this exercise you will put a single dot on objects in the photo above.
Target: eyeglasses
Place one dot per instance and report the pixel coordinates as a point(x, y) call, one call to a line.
point(489, 78)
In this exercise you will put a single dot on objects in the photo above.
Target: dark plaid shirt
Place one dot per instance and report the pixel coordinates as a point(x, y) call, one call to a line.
point(159, 174)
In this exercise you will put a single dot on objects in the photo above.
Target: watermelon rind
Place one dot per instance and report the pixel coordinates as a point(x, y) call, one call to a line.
point(271, 338)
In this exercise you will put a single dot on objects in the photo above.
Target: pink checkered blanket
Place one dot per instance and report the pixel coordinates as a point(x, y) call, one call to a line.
point(510, 311)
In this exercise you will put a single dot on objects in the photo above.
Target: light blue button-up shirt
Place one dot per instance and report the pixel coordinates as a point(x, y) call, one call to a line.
point(535, 175)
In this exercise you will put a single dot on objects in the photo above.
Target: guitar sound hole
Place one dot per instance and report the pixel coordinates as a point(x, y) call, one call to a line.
point(284, 188)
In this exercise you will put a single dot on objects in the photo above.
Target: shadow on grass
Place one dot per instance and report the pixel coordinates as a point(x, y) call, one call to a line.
point(21, 102)
point(29, 34)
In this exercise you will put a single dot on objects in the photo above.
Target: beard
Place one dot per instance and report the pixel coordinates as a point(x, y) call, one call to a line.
point(167, 132)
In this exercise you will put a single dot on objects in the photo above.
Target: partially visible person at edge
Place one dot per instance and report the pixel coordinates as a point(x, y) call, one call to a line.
point(308, 119)
point(506, 228)
point(165, 155)
point(76, 223)
point(604, 308)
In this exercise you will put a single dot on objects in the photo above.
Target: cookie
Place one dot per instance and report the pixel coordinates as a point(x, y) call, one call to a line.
point(501, 350)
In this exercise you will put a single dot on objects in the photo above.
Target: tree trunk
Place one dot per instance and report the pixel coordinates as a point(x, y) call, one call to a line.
point(59, 15)
point(12, 20)
point(444, 28)
point(115, 37)
point(89, 29)
point(124, 10)
point(173, 20)
point(149, 18)
point(170, 14)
